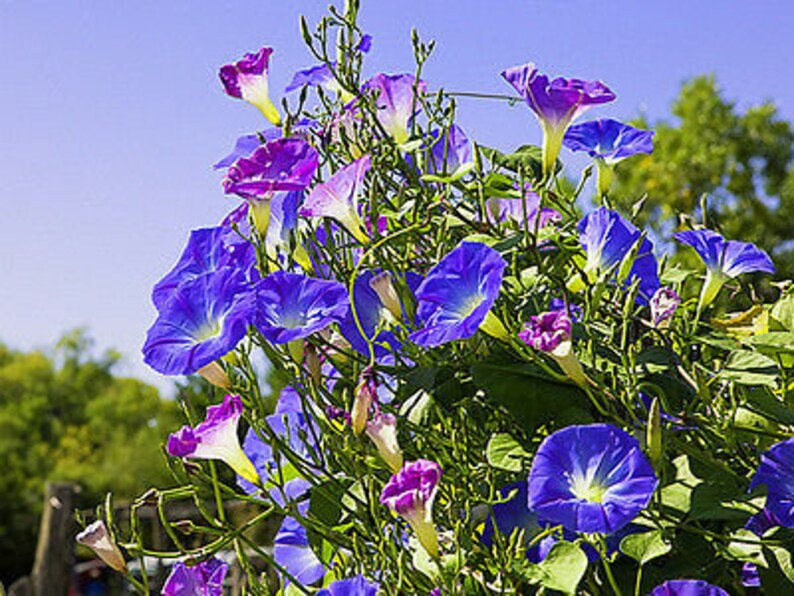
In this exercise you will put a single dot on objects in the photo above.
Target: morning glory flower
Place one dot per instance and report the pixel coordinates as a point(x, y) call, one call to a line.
point(396, 102)
point(607, 238)
point(204, 579)
point(292, 306)
point(207, 250)
point(354, 586)
point(687, 587)
point(590, 478)
point(97, 537)
point(281, 165)
point(215, 438)
point(664, 303)
point(511, 515)
point(777, 472)
point(337, 198)
point(315, 76)
point(410, 494)
point(291, 550)
point(247, 79)
point(246, 144)
point(365, 394)
point(608, 142)
point(523, 210)
point(758, 524)
point(382, 430)
point(550, 332)
point(724, 259)
point(457, 294)
point(449, 152)
point(556, 103)
point(205, 319)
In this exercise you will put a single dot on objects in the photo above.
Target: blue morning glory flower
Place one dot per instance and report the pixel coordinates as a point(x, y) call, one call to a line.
point(607, 237)
point(204, 320)
point(590, 478)
point(207, 250)
point(687, 587)
point(354, 586)
point(292, 306)
point(724, 259)
point(457, 294)
point(777, 472)
point(608, 140)
point(292, 551)
point(204, 579)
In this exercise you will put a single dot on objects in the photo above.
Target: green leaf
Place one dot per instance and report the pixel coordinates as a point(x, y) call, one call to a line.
point(563, 567)
point(646, 546)
point(763, 401)
point(504, 453)
point(782, 313)
point(326, 499)
point(750, 368)
point(529, 158)
point(777, 344)
point(745, 546)
point(780, 574)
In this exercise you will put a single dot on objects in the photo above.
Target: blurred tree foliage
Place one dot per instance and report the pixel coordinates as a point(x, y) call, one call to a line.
point(741, 160)
point(65, 416)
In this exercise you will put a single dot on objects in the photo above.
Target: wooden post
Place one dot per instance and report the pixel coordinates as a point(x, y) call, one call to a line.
point(55, 549)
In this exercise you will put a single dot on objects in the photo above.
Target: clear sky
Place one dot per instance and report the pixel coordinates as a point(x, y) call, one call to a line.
point(111, 114)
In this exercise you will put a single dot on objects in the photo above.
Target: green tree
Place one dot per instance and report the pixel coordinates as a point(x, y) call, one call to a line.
point(66, 417)
point(741, 161)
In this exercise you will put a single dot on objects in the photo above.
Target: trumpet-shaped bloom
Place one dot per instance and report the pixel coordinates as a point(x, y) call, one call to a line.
point(523, 210)
point(724, 259)
point(291, 550)
point(204, 579)
point(337, 198)
point(282, 164)
point(449, 151)
point(292, 306)
point(664, 303)
point(215, 438)
point(608, 140)
point(97, 537)
point(248, 79)
point(382, 430)
point(687, 587)
point(590, 478)
point(205, 318)
point(607, 238)
point(354, 586)
point(777, 472)
point(410, 494)
point(458, 293)
point(396, 101)
point(207, 250)
point(315, 76)
point(546, 331)
point(556, 103)
point(245, 145)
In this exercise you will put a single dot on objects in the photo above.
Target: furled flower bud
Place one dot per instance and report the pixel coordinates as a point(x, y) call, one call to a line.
point(366, 393)
point(98, 538)
point(216, 438)
point(550, 332)
point(410, 494)
point(664, 302)
point(382, 429)
point(214, 374)
point(384, 288)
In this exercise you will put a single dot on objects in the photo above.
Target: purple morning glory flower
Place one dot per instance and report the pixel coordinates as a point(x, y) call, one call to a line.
point(283, 219)
point(215, 438)
point(354, 586)
point(207, 250)
point(777, 472)
point(458, 293)
point(410, 494)
point(245, 145)
point(247, 79)
point(396, 101)
point(205, 319)
point(724, 259)
point(204, 579)
point(449, 151)
point(590, 478)
point(607, 237)
point(292, 306)
point(574, 310)
point(608, 140)
point(502, 210)
point(556, 103)
point(664, 303)
point(292, 551)
point(337, 198)
point(546, 331)
point(687, 587)
point(512, 515)
point(315, 76)
point(365, 44)
point(282, 164)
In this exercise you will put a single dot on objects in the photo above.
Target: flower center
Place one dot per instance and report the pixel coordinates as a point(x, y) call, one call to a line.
point(587, 488)
point(471, 303)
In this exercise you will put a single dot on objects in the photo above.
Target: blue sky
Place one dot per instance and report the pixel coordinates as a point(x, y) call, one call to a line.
point(111, 114)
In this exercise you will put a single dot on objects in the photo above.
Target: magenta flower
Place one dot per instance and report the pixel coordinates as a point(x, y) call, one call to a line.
point(410, 494)
point(550, 332)
point(247, 79)
point(664, 303)
point(337, 198)
point(556, 103)
point(215, 438)
point(204, 579)
point(396, 101)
